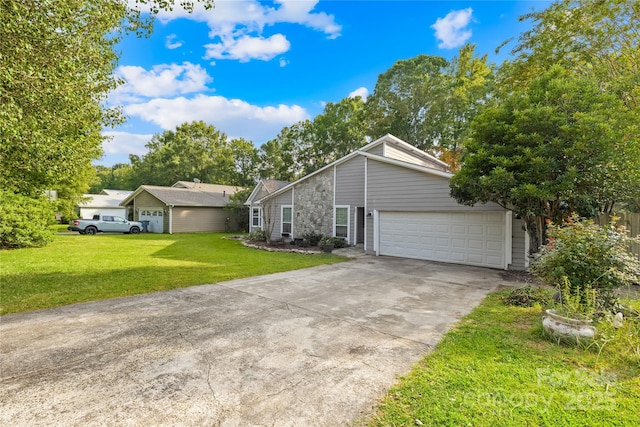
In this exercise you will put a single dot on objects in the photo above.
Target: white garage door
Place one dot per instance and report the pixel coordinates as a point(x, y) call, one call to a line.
point(461, 238)
point(154, 216)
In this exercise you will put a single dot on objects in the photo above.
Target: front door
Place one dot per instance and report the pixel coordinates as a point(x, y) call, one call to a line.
point(155, 218)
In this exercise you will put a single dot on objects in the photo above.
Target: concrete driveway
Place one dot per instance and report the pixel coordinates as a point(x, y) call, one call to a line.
point(314, 347)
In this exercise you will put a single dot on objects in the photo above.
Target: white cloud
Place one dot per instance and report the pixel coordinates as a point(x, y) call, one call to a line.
point(246, 48)
point(451, 30)
point(239, 25)
point(362, 92)
point(284, 62)
point(233, 116)
point(171, 44)
point(121, 144)
point(161, 80)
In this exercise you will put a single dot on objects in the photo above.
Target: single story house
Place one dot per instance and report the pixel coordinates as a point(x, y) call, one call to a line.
point(185, 207)
point(105, 203)
point(394, 200)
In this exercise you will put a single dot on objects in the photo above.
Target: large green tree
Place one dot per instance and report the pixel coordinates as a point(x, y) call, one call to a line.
point(58, 59)
point(280, 156)
point(193, 150)
point(336, 132)
point(119, 176)
point(430, 102)
point(57, 63)
point(57, 68)
point(558, 146)
point(597, 38)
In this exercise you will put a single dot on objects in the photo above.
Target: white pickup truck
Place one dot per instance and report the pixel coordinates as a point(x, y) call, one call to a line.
point(105, 224)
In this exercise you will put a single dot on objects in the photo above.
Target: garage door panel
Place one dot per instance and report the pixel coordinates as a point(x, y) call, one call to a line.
point(475, 244)
point(494, 246)
point(465, 238)
point(459, 229)
point(475, 230)
point(458, 243)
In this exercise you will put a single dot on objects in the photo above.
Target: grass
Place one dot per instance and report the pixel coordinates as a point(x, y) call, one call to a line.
point(79, 268)
point(496, 368)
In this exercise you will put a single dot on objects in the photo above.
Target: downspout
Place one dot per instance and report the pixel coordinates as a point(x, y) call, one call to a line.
point(333, 207)
point(171, 219)
point(376, 232)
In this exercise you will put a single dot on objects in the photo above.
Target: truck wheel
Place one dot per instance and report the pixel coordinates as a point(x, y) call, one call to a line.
point(91, 230)
point(134, 230)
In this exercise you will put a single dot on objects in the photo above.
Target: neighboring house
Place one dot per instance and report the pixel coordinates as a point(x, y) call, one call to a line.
point(394, 199)
point(264, 188)
point(105, 203)
point(185, 207)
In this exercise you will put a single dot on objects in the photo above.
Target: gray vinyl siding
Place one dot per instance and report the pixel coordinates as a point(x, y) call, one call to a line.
point(350, 182)
point(273, 207)
point(518, 250)
point(406, 156)
point(392, 187)
point(368, 231)
point(379, 150)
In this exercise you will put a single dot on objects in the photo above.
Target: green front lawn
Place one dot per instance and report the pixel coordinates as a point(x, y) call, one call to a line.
point(495, 368)
point(79, 268)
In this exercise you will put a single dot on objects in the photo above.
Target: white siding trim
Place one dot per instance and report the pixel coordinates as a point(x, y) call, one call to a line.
point(366, 212)
point(170, 219)
point(251, 217)
point(335, 180)
point(293, 202)
point(376, 232)
point(355, 226)
point(508, 239)
point(348, 208)
point(282, 208)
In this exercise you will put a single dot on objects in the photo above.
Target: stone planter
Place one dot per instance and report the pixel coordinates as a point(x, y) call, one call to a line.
point(568, 329)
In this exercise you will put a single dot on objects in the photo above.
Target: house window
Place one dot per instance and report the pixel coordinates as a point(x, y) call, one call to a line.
point(341, 223)
point(286, 224)
point(256, 217)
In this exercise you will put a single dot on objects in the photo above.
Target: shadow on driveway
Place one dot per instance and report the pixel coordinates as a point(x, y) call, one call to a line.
point(317, 347)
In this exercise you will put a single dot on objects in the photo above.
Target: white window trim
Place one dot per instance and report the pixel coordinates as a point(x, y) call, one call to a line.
point(348, 208)
point(508, 239)
point(282, 208)
point(259, 209)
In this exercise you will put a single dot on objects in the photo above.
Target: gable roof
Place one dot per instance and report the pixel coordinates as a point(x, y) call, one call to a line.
point(100, 201)
point(393, 140)
point(264, 188)
point(118, 193)
point(364, 151)
point(188, 194)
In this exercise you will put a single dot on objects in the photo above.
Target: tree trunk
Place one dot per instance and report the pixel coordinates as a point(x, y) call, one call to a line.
point(537, 230)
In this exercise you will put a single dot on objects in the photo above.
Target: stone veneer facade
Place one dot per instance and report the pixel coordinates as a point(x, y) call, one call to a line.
point(313, 205)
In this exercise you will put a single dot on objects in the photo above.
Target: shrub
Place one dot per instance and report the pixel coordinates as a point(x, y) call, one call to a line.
point(257, 235)
point(588, 256)
point(24, 221)
point(312, 238)
point(337, 242)
point(528, 296)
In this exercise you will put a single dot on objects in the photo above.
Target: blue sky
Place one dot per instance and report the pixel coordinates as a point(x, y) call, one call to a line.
point(251, 68)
